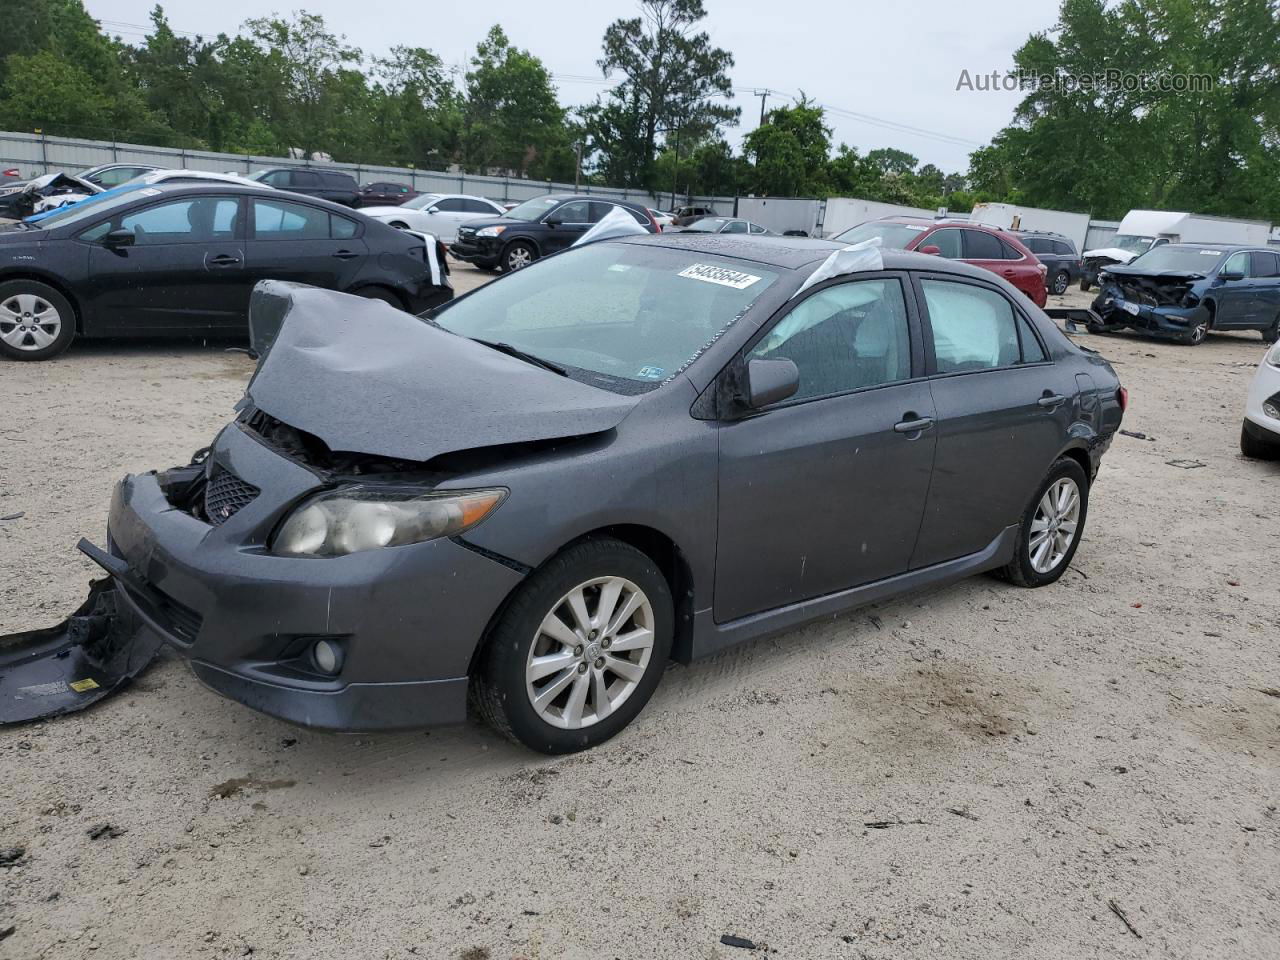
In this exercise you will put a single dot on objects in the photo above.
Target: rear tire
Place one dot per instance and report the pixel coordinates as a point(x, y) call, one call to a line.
point(36, 321)
point(1084, 283)
point(1272, 335)
point(535, 663)
point(1061, 280)
point(1255, 448)
point(1045, 546)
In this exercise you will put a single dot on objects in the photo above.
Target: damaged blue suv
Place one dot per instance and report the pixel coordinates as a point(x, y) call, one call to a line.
point(1183, 290)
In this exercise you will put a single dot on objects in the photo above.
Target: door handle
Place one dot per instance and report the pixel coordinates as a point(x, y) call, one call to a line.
point(223, 260)
point(346, 255)
point(913, 426)
point(1051, 400)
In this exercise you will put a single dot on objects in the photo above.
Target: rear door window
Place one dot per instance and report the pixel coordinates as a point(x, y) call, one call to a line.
point(979, 245)
point(1264, 264)
point(304, 179)
point(284, 220)
point(974, 328)
point(1063, 249)
point(477, 206)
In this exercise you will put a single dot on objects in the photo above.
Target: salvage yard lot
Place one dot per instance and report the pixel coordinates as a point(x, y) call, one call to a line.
point(978, 772)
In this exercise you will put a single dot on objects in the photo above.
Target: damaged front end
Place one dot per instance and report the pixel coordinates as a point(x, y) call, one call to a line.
point(1164, 304)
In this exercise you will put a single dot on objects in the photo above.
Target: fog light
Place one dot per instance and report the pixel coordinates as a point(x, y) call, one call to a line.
point(327, 656)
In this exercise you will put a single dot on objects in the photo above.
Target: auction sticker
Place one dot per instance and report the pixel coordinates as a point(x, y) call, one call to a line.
point(709, 273)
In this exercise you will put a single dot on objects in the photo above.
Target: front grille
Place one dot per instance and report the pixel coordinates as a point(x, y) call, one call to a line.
point(225, 495)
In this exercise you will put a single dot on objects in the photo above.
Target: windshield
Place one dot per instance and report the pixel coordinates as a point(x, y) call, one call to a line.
point(617, 315)
point(1169, 259)
point(422, 202)
point(534, 209)
point(90, 207)
point(1131, 243)
point(896, 235)
point(706, 225)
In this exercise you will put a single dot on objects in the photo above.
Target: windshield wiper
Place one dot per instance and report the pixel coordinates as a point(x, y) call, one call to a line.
point(519, 354)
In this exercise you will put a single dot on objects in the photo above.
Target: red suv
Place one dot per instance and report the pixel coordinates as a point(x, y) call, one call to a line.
point(992, 249)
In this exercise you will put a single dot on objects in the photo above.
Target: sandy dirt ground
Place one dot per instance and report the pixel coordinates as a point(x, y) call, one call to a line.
point(979, 772)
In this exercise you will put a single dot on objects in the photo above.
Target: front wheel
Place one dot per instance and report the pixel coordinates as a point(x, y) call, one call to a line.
point(518, 256)
point(579, 649)
point(1198, 334)
point(1051, 527)
point(1085, 284)
point(36, 321)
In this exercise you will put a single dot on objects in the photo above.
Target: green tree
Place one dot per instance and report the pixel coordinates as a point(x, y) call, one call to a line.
point(511, 118)
point(671, 75)
point(791, 152)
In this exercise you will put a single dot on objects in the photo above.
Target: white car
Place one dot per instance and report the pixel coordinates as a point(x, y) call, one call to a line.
point(436, 213)
point(663, 220)
point(1260, 435)
point(192, 176)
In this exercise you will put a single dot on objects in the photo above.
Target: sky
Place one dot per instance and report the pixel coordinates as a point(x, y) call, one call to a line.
point(887, 72)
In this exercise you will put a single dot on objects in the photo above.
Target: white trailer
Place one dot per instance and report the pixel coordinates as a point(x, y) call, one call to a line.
point(1140, 230)
point(781, 214)
point(842, 213)
point(1009, 216)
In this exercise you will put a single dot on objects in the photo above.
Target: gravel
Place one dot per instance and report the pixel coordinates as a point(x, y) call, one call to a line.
point(1088, 770)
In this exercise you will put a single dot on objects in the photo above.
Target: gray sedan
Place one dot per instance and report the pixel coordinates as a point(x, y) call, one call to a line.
point(637, 450)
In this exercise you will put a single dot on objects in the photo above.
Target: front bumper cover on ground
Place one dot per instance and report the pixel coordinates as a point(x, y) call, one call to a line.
point(90, 655)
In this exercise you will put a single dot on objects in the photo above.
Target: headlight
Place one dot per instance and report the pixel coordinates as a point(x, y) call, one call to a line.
point(1273, 355)
point(489, 231)
point(356, 518)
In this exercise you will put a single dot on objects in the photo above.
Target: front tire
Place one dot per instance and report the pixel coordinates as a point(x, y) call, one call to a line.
point(518, 255)
point(1051, 527)
point(579, 649)
point(36, 321)
point(1256, 448)
point(1199, 333)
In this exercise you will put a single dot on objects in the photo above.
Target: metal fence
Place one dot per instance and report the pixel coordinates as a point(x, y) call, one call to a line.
point(36, 154)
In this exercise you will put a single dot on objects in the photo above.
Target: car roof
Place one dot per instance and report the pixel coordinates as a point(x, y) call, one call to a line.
point(222, 186)
point(794, 253)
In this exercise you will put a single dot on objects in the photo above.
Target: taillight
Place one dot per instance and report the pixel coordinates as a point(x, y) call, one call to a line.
point(657, 227)
point(1122, 397)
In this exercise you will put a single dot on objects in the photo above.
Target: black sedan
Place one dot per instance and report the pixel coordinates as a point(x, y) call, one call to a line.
point(641, 449)
point(537, 227)
point(183, 259)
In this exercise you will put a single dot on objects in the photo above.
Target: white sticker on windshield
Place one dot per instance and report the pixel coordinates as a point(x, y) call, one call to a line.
point(1210, 253)
point(709, 273)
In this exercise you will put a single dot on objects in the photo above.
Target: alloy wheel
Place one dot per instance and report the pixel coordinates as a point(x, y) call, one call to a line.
point(1198, 333)
point(1053, 528)
point(29, 322)
point(1060, 282)
point(590, 652)
point(518, 257)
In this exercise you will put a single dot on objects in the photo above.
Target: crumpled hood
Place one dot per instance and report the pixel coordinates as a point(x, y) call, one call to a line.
point(365, 377)
point(1112, 253)
point(1178, 276)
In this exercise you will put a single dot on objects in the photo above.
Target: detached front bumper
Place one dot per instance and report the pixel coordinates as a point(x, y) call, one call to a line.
point(407, 619)
point(1173, 322)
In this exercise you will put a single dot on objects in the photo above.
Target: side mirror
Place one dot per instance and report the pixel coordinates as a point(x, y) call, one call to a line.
point(932, 249)
point(433, 209)
point(553, 222)
point(120, 238)
point(1231, 275)
point(769, 381)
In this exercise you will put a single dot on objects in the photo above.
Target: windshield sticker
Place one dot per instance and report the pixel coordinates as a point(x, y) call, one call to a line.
point(619, 267)
point(709, 273)
point(651, 373)
point(1210, 253)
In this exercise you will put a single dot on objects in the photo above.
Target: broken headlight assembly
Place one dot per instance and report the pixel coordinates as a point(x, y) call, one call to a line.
point(1273, 356)
point(356, 518)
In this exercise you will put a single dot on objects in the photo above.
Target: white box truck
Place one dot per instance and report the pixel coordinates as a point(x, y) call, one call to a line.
point(1140, 230)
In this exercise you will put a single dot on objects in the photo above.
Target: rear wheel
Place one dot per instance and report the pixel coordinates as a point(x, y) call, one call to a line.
point(579, 649)
point(36, 321)
point(1272, 335)
point(1084, 282)
point(1061, 280)
point(1051, 527)
point(1255, 448)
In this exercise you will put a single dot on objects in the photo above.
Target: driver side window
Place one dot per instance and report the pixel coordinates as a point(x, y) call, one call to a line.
point(1237, 263)
point(846, 337)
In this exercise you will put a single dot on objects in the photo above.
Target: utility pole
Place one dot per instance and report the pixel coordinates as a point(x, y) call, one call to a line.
point(763, 95)
point(577, 169)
